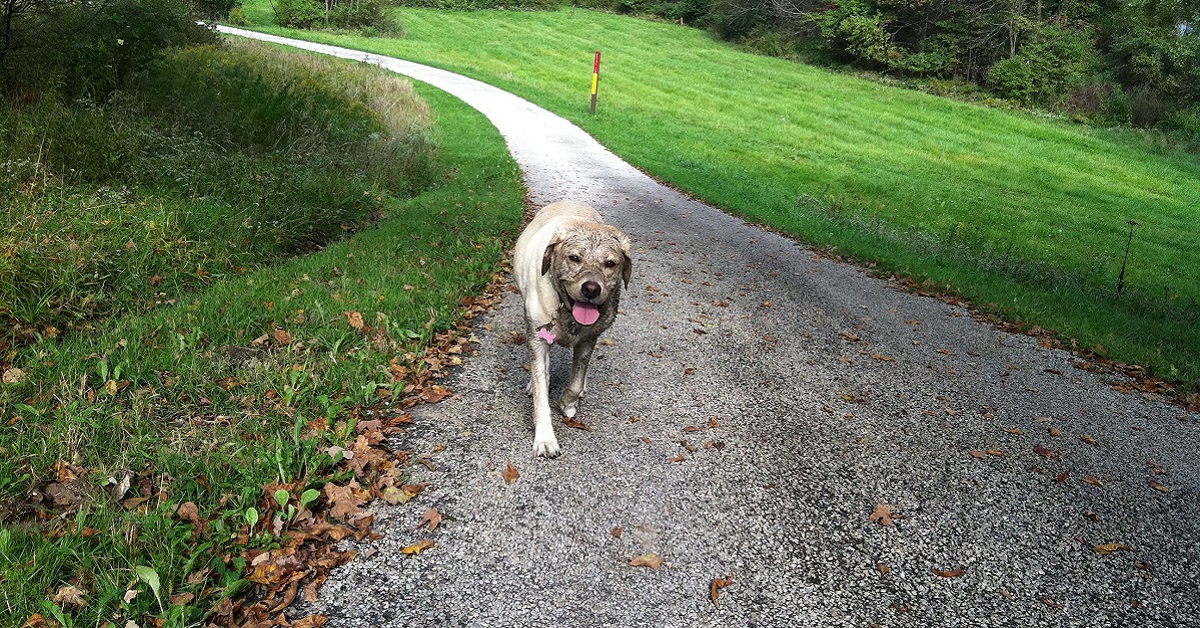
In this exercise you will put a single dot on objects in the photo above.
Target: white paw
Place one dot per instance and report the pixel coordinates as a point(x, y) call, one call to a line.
point(569, 409)
point(546, 448)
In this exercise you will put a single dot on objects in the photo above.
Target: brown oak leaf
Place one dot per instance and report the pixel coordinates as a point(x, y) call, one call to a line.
point(510, 474)
point(576, 423)
point(882, 514)
point(653, 561)
point(431, 517)
point(715, 587)
point(1108, 548)
point(347, 500)
point(949, 573)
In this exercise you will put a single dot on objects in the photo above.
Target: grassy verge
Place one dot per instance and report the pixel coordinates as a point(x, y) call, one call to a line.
point(159, 462)
point(1028, 217)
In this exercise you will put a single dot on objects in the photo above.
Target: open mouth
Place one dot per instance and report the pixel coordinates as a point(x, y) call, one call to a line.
point(585, 313)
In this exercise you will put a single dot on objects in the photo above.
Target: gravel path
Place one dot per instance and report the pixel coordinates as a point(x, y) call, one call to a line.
point(797, 393)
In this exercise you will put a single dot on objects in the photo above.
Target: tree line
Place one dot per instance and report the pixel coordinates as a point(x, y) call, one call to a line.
point(1109, 62)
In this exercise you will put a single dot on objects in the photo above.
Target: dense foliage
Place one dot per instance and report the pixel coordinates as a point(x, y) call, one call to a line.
point(370, 17)
point(1108, 62)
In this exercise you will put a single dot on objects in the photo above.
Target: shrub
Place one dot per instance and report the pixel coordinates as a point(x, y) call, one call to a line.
point(481, 5)
point(86, 50)
point(298, 13)
point(1045, 70)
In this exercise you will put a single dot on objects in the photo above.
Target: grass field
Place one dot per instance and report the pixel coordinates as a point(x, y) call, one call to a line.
point(1024, 215)
point(149, 450)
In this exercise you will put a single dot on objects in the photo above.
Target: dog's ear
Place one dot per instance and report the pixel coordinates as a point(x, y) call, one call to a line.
point(548, 254)
point(627, 251)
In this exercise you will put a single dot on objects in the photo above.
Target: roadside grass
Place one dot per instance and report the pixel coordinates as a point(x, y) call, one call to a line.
point(211, 161)
point(239, 386)
point(1025, 216)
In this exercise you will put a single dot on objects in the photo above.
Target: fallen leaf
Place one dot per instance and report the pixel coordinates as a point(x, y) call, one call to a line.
point(412, 490)
point(949, 573)
point(882, 358)
point(679, 458)
point(1054, 431)
point(575, 423)
point(882, 514)
point(1014, 430)
point(1093, 480)
point(1108, 548)
point(416, 548)
point(1158, 487)
point(1051, 603)
point(188, 511)
point(883, 569)
point(715, 587)
point(282, 336)
point(653, 561)
point(431, 517)
point(356, 320)
point(347, 500)
point(1062, 477)
point(14, 376)
point(510, 474)
point(1045, 452)
point(69, 595)
point(312, 621)
point(996, 452)
point(616, 531)
point(975, 453)
point(1087, 438)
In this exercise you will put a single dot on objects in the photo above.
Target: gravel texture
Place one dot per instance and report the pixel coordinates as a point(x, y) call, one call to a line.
point(829, 392)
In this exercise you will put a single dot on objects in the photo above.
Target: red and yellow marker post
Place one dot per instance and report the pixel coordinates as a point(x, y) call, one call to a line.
point(595, 80)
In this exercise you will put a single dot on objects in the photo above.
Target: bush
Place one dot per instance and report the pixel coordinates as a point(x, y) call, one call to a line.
point(1053, 62)
point(86, 50)
point(482, 5)
point(213, 9)
point(299, 13)
point(1185, 125)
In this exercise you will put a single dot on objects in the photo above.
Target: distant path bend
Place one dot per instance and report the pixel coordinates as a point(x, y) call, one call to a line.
point(749, 411)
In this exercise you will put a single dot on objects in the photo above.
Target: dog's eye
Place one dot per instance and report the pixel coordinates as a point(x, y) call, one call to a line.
point(609, 264)
point(573, 258)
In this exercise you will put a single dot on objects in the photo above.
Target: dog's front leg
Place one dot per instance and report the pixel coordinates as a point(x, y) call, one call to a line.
point(569, 402)
point(544, 442)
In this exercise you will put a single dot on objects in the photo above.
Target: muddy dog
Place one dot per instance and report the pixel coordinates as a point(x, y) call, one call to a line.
point(570, 268)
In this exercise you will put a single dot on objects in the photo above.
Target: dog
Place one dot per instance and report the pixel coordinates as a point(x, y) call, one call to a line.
point(570, 268)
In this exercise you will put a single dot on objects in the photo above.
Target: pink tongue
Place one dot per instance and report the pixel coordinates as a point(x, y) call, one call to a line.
point(585, 313)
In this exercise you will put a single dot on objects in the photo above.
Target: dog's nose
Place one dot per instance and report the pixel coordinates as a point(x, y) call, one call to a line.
point(590, 289)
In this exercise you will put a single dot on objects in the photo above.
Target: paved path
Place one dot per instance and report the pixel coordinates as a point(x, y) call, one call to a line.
point(828, 392)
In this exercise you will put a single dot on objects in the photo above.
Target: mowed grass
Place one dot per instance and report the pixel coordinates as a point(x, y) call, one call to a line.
point(1025, 216)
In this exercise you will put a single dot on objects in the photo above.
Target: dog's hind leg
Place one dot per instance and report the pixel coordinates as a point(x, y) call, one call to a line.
point(569, 402)
point(544, 442)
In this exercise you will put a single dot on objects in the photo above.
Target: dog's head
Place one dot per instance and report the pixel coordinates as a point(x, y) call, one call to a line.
point(588, 266)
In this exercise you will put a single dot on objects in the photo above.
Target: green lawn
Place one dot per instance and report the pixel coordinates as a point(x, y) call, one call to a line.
point(1024, 215)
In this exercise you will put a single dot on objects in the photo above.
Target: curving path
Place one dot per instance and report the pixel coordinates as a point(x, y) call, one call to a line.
point(820, 392)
